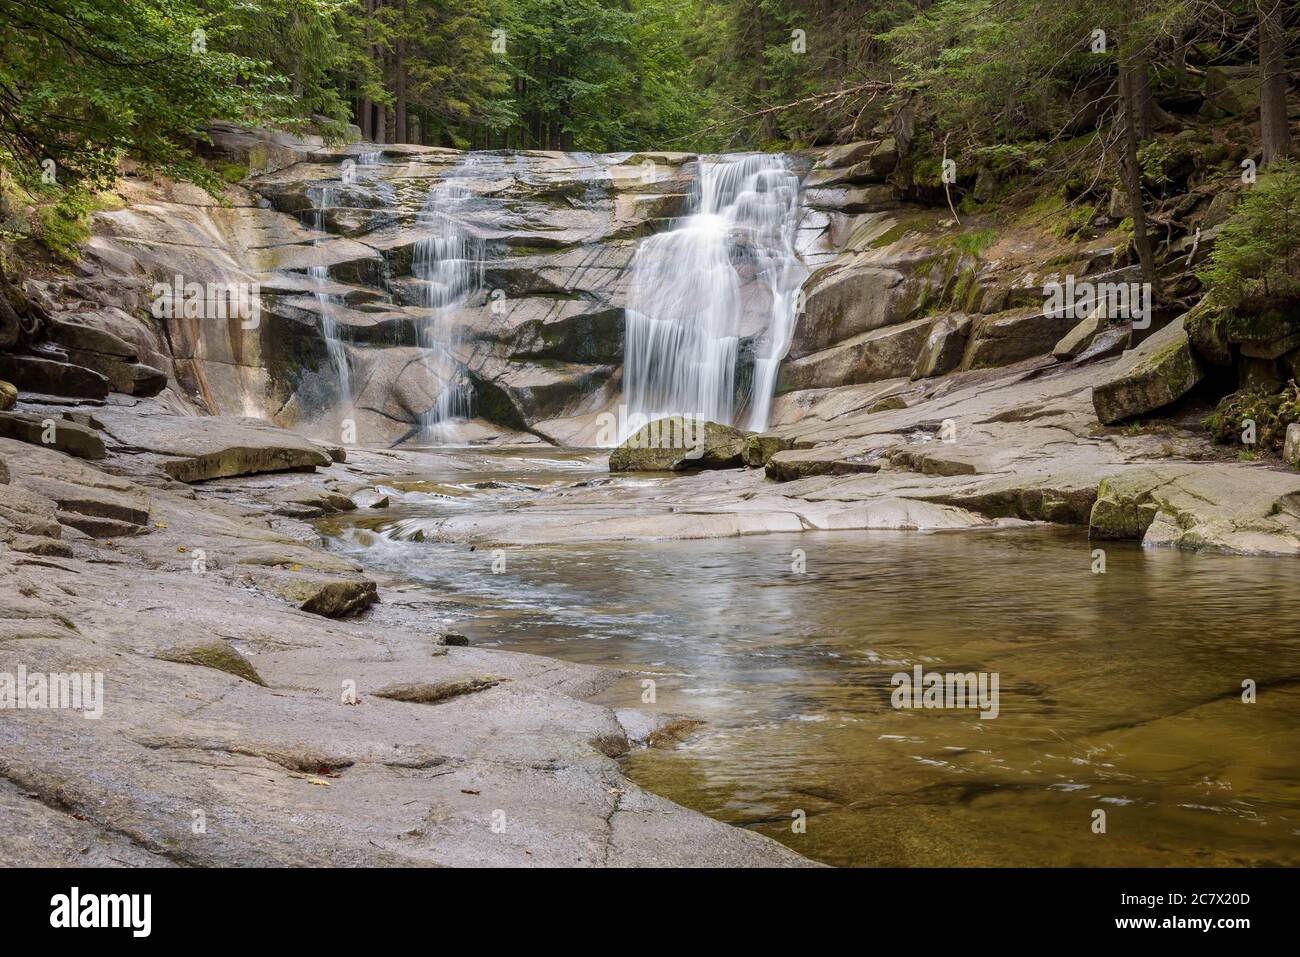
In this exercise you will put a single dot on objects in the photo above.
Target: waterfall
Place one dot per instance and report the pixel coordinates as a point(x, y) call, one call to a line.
point(726, 273)
point(326, 196)
point(447, 265)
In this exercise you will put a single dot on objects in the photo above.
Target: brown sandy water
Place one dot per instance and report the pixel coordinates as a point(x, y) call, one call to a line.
point(1118, 692)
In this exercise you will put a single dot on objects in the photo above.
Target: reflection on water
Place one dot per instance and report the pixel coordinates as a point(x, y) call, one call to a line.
point(1118, 691)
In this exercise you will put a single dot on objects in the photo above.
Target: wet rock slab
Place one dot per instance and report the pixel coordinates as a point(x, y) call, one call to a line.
point(195, 449)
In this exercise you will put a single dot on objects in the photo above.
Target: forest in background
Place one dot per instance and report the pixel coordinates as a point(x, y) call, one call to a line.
point(1071, 100)
point(83, 79)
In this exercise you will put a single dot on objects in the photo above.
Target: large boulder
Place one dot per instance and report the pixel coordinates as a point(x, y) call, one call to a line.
point(1009, 337)
point(888, 353)
point(1080, 337)
point(759, 448)
point(676, 444)
point(1156, 373)
point(124, 375)
point(849, 154)
point(847, 301)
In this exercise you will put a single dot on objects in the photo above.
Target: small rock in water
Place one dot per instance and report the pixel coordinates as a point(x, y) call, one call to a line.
point(454, 640)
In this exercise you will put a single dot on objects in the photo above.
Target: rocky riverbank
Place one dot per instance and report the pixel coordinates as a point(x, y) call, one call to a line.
point(246, 720)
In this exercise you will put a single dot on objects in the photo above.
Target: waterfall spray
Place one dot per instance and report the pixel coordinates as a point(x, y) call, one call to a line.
point(326, 196)
point(448, 267)
point(686, 309)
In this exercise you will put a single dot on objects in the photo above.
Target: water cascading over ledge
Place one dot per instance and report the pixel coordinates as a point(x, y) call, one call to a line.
point(725, 277)
point(324, 197)
point(447, 265)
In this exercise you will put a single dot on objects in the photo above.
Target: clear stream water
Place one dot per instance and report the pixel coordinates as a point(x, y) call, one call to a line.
point(1119, 692)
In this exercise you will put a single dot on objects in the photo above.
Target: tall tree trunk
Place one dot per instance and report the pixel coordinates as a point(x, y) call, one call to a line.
point(365, 112)
point(400, 132)
point(1274, 131)
point(759, 54)
point(1130, 65)
point(1144, 101)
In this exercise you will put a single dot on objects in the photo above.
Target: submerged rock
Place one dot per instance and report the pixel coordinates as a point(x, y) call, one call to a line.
point(676, 444)
point(1156, 373)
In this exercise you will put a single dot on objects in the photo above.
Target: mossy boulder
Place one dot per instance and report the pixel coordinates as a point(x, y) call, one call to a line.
point(890, 403)
point(8, 395)
point(758, 449)
point(1123, 511)
point(678, 443)
point(1204, 326)
point(1159, 371)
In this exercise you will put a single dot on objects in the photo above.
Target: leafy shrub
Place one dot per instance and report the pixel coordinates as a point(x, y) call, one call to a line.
point(1271, 413)
point(1258, 252)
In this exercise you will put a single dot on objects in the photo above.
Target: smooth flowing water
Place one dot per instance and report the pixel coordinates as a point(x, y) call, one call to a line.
point(448, 268)
point(731, 257)
point(1118, 692)
point(325, 197)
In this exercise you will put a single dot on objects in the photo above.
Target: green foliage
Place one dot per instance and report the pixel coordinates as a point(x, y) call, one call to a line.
point(231, 172)
point(975, 242)
point(596, 75)
point(1155, 157)
point(83, 82)
point(1258, 250)
point(1271, 413)
point(63, 224)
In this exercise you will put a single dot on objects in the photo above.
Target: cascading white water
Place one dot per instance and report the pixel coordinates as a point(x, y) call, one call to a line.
point(325, 197)
point(447, 265)
point(687, 308)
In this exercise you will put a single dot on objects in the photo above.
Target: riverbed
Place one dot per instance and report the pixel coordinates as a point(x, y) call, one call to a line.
point(1121, 736)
